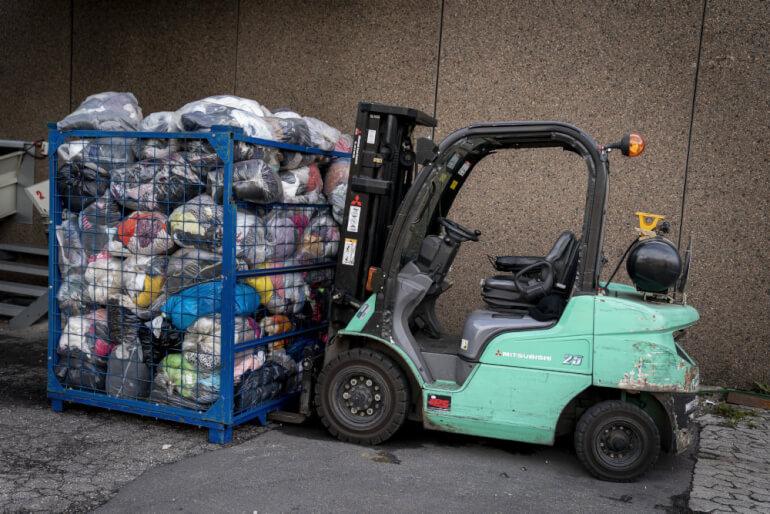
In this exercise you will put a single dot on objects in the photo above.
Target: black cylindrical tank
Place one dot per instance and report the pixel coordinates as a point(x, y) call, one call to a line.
point(654, 265)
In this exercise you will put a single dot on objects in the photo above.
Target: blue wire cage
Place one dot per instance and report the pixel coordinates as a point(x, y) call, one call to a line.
point(190, 273)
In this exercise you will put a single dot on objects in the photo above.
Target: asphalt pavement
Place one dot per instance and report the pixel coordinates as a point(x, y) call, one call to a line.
point(85, 458)
point(303, 469)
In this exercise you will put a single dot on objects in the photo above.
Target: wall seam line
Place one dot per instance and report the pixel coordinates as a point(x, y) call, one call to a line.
point(237, 36)
point(438, 67)
point(696, 78)
point(72, 51)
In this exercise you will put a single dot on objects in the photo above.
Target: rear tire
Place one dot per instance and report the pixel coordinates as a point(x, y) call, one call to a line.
point(617, 441)
point(362, 397)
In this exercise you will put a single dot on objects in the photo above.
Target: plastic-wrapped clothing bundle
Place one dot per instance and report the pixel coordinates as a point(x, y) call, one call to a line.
point(289, 127)
point(246, 362)
point(155, 184)
point(281, 235)
point(71, 253)
point(88, 334)
point(202, 341)
point(261, 385)
point(125, 327)
point(275, 324)
point(253, 181)
point(250, 241)
point(200, 153)
point(144, 278)
point(197, 223)
point(190, 266)
point(337, 200)
point(320, 239)
point(144, 233)
point(322, 136)
point(81, 183)
point(97, 224)
point(200, 222)
point(302, 185)
point(104, 111)
point(201, 115)
point(127, 374)
point(104, 278)
point(204, 299)
point(104, 151)
point(163, 121)
point(336, 178)
point(73, 294)
point(75, 369)
point(283, 293)
point(179, 383)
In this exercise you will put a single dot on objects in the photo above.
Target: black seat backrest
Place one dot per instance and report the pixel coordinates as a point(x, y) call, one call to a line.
point(563, 257)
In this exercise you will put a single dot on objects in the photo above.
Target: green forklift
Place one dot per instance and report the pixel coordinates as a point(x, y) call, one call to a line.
point(552, 352)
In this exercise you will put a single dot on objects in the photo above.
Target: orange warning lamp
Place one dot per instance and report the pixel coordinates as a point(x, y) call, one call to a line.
point(632, 145)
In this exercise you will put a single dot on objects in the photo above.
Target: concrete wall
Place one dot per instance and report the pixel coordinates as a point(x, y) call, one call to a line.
point(604, 69)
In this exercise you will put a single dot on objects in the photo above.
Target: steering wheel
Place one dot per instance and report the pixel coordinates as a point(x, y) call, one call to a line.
point(458, 232)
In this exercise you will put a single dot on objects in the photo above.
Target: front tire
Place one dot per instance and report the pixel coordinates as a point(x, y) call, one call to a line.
point(617, 441)
point(362, 397)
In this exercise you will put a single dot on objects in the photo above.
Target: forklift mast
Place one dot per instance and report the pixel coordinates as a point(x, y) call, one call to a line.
point(382, 169)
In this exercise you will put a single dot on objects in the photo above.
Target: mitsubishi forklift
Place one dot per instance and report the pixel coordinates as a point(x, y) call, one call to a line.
point(553, 351)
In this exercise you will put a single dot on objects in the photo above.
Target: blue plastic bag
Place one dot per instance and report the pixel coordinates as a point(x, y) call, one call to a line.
point(204, 299)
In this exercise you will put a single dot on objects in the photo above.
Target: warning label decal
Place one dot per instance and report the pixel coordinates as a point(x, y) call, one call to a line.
point(353, 216)
point(349, 252)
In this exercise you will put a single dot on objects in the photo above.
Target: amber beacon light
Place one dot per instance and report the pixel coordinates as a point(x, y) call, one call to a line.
point(632, 145)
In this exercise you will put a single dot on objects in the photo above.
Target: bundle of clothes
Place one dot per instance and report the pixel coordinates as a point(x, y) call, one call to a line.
point(141, 249)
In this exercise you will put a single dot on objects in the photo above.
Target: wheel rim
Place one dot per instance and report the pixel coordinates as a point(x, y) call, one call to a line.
point(360, 398)
point(619, 444)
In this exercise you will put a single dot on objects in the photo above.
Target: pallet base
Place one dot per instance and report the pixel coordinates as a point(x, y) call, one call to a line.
point(218, 433)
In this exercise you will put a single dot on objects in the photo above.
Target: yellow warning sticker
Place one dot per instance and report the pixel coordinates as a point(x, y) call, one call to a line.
point(453, 185)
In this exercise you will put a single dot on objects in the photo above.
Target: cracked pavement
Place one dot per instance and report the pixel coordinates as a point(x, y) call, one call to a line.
point(733, 469)
point(77, 460)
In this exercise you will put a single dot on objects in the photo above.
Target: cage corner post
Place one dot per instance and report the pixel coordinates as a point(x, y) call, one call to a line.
point(222, 140)
point(55, 139)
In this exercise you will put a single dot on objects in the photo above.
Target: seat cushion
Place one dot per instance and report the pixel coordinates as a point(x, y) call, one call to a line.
point(484, 325)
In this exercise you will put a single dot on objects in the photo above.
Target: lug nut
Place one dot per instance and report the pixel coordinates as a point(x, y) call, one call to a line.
point(369, 411)
point(353, 410)
point(346, 395)
point(376, 397)
point(353, 381)
point(368, 383)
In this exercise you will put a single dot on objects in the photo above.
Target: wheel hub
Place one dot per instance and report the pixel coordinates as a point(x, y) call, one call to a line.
point(618, 441)
point(361, 396)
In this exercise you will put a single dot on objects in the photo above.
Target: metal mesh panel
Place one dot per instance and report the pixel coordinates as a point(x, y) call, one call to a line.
point(191, 272)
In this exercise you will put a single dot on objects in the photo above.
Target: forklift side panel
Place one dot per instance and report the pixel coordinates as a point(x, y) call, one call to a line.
point(566, 346)
point(525, 407)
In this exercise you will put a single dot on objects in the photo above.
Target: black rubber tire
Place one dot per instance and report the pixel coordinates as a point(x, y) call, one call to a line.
point(596, 420)
point(394, 390)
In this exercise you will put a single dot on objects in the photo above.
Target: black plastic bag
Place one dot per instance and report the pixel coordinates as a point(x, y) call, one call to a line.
point(127, 374)
point(261, 385)
point(80, 184)
point(75, 369)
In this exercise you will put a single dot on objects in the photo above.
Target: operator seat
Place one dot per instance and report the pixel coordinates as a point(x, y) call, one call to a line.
point(532, 278)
